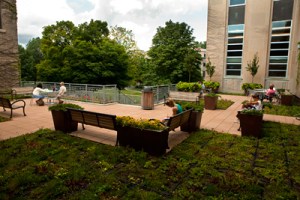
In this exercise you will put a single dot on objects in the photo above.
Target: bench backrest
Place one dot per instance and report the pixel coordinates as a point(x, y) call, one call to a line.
point(179, 119)
point(93, 118)
point(5, 102)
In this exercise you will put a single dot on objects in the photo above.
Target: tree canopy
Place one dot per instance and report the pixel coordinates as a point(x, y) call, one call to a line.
point(82, 54)
point(174, 53)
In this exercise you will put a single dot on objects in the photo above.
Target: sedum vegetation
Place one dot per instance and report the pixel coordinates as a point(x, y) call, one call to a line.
point(207, 165)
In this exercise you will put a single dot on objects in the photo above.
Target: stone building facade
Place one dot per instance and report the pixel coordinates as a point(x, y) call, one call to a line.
point(238, 29)
point(9, 58)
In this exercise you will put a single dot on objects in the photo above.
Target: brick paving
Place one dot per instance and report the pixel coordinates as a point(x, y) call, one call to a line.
point(38, 117)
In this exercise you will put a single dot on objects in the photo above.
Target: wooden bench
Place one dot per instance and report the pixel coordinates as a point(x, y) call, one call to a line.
point(5, 103)
point(93, 118)
point(21, 91)
point(179, 119)
point(185, 96)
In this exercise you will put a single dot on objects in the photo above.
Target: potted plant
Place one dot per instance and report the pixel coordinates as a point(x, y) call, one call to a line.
point(212, 85)
point(250, 86)
point(251, 122)
point(61, 118)
point(210, 101)
point(286, 98)
point(195, 118)
point(142, 134)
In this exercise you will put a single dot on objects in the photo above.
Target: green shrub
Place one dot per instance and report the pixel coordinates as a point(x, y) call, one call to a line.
point(212, 94)
point(252, 112)
point(251, 86)
point(64, 106)
point(188, 87)
point(188, 105)
point(153, 124)
point(211, 85)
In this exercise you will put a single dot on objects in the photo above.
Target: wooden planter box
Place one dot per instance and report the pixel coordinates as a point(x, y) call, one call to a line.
point(151, 141)
point(210, 103)
point(62, 121)
point(287, 100)
point(251, 125)
point(194, 122)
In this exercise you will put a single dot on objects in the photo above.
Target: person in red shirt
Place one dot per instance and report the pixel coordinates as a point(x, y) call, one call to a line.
point(270, 93)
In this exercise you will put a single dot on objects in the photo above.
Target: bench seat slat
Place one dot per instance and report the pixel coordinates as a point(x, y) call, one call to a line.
point(105, 121)
point(93, 118)
point(76, 115)
point(90, 119)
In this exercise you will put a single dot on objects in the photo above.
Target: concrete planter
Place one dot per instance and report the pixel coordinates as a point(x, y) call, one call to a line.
point(210, 102)
point(194, 122)
point(287, 100)
point(62, 121)
point(153, 142)
point(251, 125)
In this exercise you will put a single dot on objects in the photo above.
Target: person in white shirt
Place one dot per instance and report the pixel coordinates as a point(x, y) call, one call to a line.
point(37, 93)
point(255, 103)
point(61, 92)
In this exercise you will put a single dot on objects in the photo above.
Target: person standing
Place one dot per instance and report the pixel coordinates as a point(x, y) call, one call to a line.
point(61, 92)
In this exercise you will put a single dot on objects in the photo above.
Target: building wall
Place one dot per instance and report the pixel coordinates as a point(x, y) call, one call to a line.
point(9, 70)
point(257, 34)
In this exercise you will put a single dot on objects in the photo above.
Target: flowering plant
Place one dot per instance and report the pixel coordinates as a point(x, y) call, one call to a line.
point(153, 124)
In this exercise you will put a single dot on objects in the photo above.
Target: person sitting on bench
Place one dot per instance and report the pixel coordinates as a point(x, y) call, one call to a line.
point(176, 109)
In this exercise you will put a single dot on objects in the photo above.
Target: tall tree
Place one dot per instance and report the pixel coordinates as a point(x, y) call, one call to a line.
point(170, 47)
point(82, 54)
point(124, 37)
point(29, 58)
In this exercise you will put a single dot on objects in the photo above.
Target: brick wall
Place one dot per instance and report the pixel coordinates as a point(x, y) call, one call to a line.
point(9, 59)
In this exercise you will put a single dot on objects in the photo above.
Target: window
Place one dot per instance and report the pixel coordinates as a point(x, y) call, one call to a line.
point(282, 10)
point(280, 38)
point(235, 35)
point(237, 2)
point(236, 15)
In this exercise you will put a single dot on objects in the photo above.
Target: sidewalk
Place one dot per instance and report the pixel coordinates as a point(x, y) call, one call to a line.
point(39, 117)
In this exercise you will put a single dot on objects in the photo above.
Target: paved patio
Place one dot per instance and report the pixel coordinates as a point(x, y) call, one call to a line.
point(39, 117)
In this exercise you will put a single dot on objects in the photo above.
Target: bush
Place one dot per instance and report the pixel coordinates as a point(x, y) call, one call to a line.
point(252, 112)
point(188, 105)
point(188, 87)
point(64, 106)
point(153, 124)
point(211, 85)
point(251, 86)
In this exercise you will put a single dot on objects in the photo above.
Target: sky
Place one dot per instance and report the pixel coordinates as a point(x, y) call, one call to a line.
point(143, 17)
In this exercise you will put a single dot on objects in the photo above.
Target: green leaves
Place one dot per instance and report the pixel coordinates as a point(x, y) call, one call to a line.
point(252, 66)
point(174, 53)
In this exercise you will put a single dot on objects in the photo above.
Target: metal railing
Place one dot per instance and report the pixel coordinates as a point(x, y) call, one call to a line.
point(103, 93)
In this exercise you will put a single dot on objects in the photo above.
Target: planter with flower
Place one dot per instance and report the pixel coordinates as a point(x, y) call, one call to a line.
point(211, 100)
point(286, 98)
point(195, 119)
point(247, 87)
point(61, 117)
point(251, 122)
point(212, 86)
point(150, 136)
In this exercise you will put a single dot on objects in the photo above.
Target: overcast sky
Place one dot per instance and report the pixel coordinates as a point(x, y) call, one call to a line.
point(143, 17)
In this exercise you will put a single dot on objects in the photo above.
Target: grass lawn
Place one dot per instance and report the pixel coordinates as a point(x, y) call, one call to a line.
point(282, 110)
point(208, 165)
point(3, 119)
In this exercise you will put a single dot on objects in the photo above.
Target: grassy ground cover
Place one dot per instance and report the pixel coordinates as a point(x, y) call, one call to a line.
point(3, 119)
point(282, 110)
point(208, 165)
